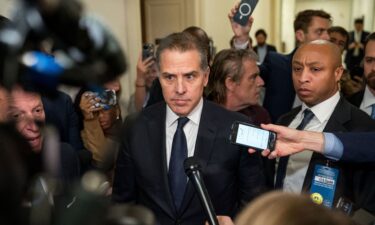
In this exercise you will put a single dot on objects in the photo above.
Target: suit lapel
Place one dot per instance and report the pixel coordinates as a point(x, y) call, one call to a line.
point(157, 138)
point(340, 116)
point(203, 147)
point(283, 161)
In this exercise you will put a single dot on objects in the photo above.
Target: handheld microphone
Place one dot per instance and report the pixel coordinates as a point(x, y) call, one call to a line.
point(192, 170)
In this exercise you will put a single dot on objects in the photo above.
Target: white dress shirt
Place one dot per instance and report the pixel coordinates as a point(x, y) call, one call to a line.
point(367, 101)
point(299, 163)
point(190, 129)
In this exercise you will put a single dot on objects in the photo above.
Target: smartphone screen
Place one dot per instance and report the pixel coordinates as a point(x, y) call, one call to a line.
point(251, 136)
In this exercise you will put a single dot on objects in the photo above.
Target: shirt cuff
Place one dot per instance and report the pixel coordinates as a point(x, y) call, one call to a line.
point(240, 45)
point(333, 148)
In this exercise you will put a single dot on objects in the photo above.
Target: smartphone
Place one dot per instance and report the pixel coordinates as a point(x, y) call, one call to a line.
point(108, 99)
point(147, 50)
point(252, 136)
point(245, 9)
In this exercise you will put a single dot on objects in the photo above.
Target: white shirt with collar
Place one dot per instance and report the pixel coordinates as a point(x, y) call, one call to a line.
point(190, 129)
point(299, 163)
point(367, 101)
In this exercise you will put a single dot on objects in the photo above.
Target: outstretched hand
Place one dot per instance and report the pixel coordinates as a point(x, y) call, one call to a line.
point(290, 141)
point(241, 33)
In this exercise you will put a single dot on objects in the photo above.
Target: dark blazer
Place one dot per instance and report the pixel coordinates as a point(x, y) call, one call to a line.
point(353, 61)
point(231, 175)
point(60, 112)
point(356, 98)
point(358, 147)
point(270, 48)
point(345, 118)
point(276, 71)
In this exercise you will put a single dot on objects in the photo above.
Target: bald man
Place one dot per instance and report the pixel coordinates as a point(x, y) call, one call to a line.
point(317, 69)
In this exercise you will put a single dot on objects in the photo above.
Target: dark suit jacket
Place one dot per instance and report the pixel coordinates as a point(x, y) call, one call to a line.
point(232, 176)
point(358, 147)
point(356, 98)
point(345, 118)
point(276, 71)
point(270, 48)
point(60, 113)
point(353, 61)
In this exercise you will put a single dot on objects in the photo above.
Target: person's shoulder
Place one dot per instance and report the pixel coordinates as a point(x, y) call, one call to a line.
point(359, 120)
point(276, 58)
point(271, 47)
point(356, 98)
point(155, 111)
point(221, 113)
point(286, 118)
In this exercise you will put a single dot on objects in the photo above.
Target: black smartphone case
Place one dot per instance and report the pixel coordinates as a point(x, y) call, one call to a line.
point(244, 11)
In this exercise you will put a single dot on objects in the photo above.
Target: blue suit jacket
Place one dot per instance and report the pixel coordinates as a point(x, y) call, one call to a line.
point(232, 176)
point(358, 147)
point(276, 71)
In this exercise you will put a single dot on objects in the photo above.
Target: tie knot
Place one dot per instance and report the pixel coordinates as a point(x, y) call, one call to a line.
point(307, 116)
point(308, 113)
point(181, 122)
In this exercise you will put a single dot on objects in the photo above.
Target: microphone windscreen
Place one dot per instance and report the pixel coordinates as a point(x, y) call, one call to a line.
point(191, 164)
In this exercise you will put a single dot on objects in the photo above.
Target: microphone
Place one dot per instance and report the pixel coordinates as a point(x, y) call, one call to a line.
point(192, 170)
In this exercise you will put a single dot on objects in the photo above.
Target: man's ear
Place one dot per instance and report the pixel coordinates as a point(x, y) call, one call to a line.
point(300, 36)
point(338, 73)
point(229, 84)
point(206, 76)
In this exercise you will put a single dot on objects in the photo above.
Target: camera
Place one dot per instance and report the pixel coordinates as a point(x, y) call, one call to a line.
point(147, 50)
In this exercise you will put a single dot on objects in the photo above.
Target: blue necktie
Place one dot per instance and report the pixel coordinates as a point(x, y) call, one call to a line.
point(283, 162)
point(373, 111)
point(176, 173)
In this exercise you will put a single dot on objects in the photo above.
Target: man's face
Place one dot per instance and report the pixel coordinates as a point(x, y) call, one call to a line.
point(318, 29)
point(369, 64)
point(26, 109)
point(182, 80)
point(338, 39)
point(261, 39)
point(247, 91)
point(315, 73)
point(358, 26)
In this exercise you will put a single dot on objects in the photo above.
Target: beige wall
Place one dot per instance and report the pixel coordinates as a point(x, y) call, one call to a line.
point(214, 19)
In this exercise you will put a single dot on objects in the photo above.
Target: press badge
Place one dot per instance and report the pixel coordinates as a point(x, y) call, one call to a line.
point(323, 185)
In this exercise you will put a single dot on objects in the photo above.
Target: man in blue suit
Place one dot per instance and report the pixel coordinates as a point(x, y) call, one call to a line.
point(148, 168)
point(276, 69)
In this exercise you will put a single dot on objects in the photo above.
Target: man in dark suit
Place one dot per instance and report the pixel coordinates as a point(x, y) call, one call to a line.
point(355, 52)
point(27, 111)
point(262, 48)
point(276, 71)
point(317, 69)
point(365, 99)
point(149, 168)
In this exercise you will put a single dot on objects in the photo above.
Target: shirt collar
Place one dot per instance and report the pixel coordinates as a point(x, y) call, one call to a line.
point(324, 110)
point(368, 98)
point(194, 116)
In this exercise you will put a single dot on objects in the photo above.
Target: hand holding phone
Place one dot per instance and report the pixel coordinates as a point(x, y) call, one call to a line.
point(248, 135)
point(245, 9)
point(147, 50)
